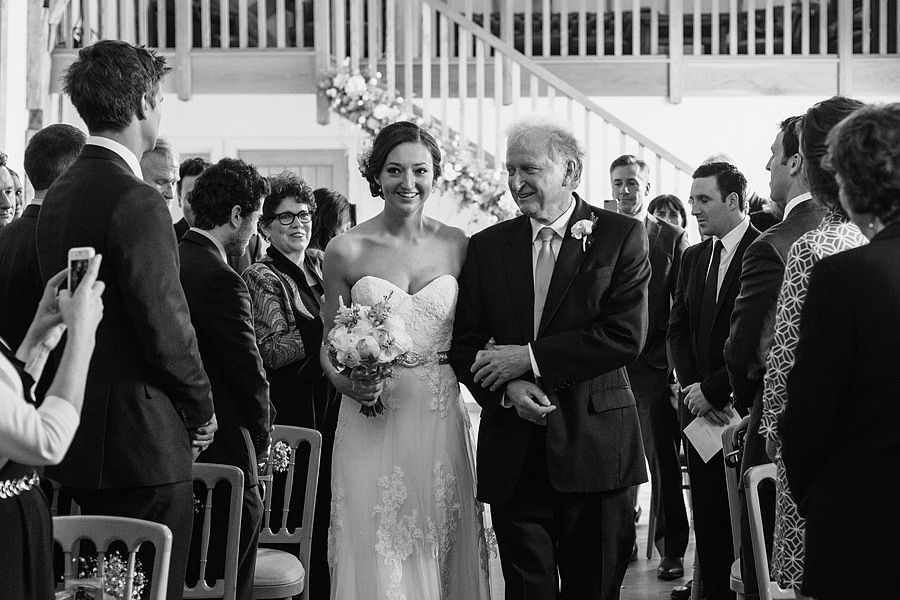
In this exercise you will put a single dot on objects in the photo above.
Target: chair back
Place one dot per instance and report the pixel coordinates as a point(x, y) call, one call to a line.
point(732, 479)
point(278, 533)
point(768, 589)
point(210, 476)
point(103, 531)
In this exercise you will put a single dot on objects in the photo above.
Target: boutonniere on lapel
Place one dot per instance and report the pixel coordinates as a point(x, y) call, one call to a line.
point(584, 230)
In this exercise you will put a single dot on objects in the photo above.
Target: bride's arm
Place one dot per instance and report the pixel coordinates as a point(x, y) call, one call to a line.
point(339, 255)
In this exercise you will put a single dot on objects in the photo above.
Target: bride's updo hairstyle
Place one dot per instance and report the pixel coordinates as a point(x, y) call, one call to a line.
point(395, 134)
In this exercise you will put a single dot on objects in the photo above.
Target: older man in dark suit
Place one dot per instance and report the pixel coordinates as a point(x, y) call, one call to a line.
point(649, 374)
point(552, 306)
point(753, 319)
point(698, 327)
point(226, 201)
point(147, 401)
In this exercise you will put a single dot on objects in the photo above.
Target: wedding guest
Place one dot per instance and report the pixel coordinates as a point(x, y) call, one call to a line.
point(226, 203)
point(148, 408)
point(753, 320)
point(49, 152)
point(649, 374)
point(7, 193)
point(834, 234)
point(698, 327)
point(332, 218)
point(552, 307)
point(763, 213)
point(286, 292)
point(669, 208)
point(32, 437)
point(159, 167)
point(20, 194)
point(840, 439)
point(188, 172)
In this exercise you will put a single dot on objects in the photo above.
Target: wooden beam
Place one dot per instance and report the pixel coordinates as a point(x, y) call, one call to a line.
point(676, 51)
point(183, 31)
point(37, 60)
point(322, 40)
point(845, 48)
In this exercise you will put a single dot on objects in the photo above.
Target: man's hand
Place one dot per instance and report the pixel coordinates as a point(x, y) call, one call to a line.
point(202, 436)
point(695, 400)
point(530, 401)
point(496, 365)
point(719, 417)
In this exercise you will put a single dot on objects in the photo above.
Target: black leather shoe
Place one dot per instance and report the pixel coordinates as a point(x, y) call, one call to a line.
point(670, 568)
point(682, 592)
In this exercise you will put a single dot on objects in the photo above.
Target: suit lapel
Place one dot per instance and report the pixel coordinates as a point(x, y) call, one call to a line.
point(520, 275)
point(571, 256)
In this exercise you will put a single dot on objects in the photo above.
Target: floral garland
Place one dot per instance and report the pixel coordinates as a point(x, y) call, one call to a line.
point(368, 103)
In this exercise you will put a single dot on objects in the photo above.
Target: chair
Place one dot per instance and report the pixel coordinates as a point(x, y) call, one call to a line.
point(103, 531)
point(280, 574)
point(211, 475)
point(768, 589)
point(732, 477)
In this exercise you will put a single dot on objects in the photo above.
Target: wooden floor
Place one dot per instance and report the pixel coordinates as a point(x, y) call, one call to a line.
point(640, 582)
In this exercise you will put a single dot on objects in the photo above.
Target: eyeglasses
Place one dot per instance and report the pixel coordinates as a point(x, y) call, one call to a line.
point(287, 218)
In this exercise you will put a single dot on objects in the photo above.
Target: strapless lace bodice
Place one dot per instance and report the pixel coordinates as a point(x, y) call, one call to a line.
point(428, 313)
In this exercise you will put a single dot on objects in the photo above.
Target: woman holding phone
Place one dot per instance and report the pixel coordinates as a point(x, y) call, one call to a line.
point(35, 436)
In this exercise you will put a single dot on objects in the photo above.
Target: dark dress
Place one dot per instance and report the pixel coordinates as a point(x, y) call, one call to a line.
point(289, 335)
point(26, 558)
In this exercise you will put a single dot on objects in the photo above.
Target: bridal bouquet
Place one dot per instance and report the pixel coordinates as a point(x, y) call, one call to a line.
point(365, 343)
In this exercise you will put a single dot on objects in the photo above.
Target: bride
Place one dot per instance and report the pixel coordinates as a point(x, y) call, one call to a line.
point(404, 520)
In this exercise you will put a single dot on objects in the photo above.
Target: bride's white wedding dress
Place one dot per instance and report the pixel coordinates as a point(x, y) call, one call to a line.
point(404, 520)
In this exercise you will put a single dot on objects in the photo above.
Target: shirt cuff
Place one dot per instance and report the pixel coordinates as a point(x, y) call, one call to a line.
point(534, 365)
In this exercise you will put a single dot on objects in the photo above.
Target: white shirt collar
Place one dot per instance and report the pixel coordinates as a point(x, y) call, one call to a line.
point(215, 241)
point(795, 202)
point(127, 155)
point(731, 239)
point(559, 225)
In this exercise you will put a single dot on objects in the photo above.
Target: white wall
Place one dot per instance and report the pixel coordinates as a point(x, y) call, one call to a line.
point(15, 121)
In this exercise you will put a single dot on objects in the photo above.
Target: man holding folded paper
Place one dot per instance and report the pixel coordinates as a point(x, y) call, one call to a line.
point(708, 284)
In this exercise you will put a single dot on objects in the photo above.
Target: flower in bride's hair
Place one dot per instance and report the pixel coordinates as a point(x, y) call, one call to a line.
point(362, 159)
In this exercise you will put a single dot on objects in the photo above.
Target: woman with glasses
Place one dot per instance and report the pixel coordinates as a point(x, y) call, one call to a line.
point(286, 295)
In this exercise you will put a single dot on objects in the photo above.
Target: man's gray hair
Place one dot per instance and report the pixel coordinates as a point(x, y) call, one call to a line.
point(559, 140)
point(164, 148)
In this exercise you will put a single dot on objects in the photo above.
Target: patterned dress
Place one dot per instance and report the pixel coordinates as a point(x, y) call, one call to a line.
point(835, 234)
point(405, 524)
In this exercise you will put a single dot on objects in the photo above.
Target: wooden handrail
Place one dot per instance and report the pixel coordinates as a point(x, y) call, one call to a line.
point(509, 51)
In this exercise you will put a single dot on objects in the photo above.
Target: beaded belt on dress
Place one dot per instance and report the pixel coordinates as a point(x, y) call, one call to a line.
point(14, 487)
point(416, 359)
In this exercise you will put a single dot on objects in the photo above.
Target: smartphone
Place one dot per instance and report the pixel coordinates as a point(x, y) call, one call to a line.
point(611, 205)
point(78, 265)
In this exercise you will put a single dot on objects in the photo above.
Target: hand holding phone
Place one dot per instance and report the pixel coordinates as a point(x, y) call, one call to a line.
point(78, 265)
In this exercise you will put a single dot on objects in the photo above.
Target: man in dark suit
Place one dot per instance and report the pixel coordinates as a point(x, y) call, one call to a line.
point(49, 152)
point(147, 402)
point(188, 172)
point(698, 327)
point(226, 201)
point(552, 306)
point(753, 319)
point(649, 374)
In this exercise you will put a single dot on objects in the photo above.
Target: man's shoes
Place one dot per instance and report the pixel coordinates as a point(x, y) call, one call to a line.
point(682, 592)
point(670, 568)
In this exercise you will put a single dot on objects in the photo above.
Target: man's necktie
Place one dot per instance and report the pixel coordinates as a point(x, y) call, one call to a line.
point(708, 310)
point(543, 271)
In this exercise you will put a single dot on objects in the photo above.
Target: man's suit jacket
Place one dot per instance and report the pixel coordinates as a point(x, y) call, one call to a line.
point(220, 312)
point(696, 359)
point(21, 287)
point(593, 324)
point(667, 244)
point(181, 227)
point(753, 318)
point(839, 429)
point(146, 385)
